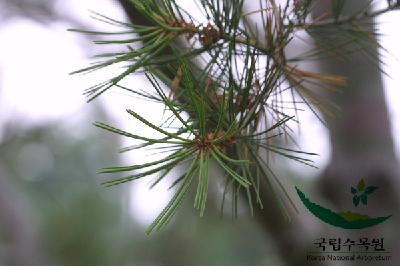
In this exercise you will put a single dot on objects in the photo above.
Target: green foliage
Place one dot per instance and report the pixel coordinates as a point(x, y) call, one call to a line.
point(228, 104)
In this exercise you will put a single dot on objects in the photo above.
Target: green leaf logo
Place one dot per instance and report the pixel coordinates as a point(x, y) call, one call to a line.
point(360, 194)
point(342, 219)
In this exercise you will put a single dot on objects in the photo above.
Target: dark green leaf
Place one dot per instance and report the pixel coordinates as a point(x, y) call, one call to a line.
point(370, 190)
point(356, 200)
point(364, 199)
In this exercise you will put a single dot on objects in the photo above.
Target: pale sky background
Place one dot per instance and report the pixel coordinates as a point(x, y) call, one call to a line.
point(35, 88)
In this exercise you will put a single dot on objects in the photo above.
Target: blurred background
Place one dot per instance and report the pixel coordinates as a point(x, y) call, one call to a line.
point(53, 210)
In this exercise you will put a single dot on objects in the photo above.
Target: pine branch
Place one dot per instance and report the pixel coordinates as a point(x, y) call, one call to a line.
point(230, 100)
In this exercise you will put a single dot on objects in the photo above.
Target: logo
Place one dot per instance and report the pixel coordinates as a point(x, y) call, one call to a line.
point(362, 250)
point(346, 219)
